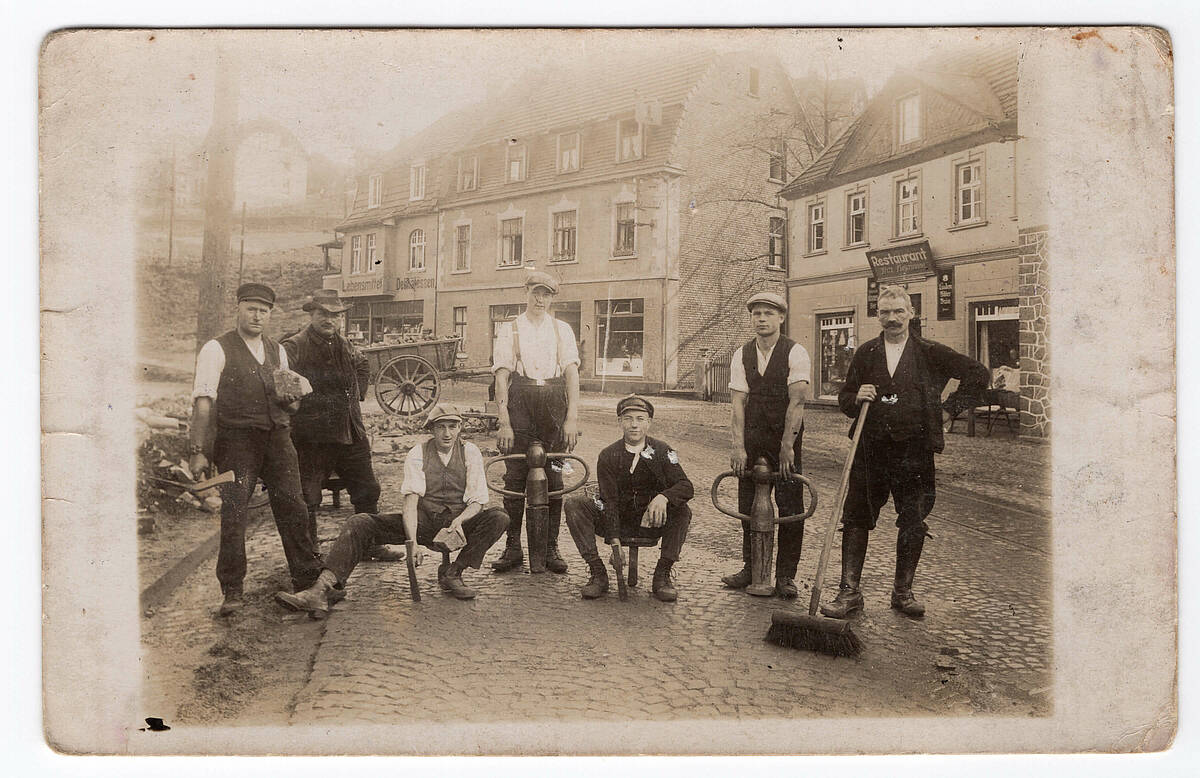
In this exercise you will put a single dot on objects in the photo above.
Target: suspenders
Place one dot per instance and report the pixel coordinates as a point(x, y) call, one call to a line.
point(516, 338)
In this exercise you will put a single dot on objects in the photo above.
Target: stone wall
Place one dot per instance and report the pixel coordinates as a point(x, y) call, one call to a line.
point(1035, 333)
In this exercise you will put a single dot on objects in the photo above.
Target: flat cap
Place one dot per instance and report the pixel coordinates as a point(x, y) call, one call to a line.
point(538, 278)
point(442, 412)
point(260, 292)
point(634, 403)
point(767, 298)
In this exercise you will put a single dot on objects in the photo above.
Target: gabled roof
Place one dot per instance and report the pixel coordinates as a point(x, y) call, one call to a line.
point(983, 82)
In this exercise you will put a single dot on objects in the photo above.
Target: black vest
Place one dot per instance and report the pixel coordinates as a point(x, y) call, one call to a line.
point(767, 401)
point(905, 417)
point(246, 391)
point(445, 485)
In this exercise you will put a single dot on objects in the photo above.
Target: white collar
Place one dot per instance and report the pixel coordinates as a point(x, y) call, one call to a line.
point(637, 450)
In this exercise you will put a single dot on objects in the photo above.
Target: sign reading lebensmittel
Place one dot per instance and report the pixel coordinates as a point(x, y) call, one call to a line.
point(913, 260)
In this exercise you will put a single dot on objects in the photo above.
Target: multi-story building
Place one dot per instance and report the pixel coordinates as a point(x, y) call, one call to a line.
point(921, 190)
point(647, 186)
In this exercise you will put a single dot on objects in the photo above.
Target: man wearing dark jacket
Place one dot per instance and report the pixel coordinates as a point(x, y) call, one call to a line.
point(903, 376)
point(643, 495)
point(328, 429)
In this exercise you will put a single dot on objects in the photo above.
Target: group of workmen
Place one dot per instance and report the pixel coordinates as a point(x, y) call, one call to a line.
point(289, 414)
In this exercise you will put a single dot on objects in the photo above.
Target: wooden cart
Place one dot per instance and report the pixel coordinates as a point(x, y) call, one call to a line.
point(407, 376)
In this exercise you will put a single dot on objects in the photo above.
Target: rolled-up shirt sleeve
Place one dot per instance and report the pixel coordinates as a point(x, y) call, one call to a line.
point(569, 354)
point(477, 490)
point(502, 354)
point(737, 372)
point(209, 364)
point(799, 365)
point(414, 472)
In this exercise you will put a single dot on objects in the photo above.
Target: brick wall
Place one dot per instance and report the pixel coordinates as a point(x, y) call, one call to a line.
point(1035, 355)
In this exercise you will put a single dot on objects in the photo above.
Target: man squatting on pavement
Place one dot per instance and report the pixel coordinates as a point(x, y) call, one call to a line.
point(328, 429)
point(768, 383)
point(537, 390)
point(444, 487)
point(644, 495)
point(903, 376)
point(235, 375)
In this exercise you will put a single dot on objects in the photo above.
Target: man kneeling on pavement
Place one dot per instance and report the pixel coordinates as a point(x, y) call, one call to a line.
point(643, 496)
point(444, 487)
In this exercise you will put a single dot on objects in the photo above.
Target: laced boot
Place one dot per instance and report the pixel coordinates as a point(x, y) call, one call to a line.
point(554, 561)
point(597, 585)
point(849, 597)
point(739, 580)
point(232, 602)
point(909, 543)
point(512, 557)
point(314, 600)
point(663, 587)
point(452, 582)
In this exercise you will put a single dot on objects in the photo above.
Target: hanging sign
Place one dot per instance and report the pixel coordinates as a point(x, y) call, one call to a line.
point(945, 294)
point(914, 260)
point(872, 298)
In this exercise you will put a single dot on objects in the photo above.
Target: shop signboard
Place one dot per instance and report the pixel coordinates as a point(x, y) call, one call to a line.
point(872, 298)
point(354, 287)
point(913, 260)
point(945, 294)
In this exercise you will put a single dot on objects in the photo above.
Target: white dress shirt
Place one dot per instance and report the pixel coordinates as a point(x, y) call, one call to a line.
point(414, 472)
point(211, 361)
point(892, 352)
point(539, 348)
point(799, 366)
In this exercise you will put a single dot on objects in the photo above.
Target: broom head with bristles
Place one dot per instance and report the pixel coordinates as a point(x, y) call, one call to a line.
point(813, 633)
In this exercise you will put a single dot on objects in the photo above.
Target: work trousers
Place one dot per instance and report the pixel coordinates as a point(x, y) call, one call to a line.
point(583, 518)
point(268, 454)
point(901, 469)
point(364, 531)
point(351, 461)
point(536, 413)
point(789, 499)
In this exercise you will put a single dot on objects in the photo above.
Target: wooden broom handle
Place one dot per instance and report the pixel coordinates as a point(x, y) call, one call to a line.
point(839, 503)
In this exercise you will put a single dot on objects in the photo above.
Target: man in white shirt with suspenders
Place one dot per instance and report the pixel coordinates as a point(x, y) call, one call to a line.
point(537, 390)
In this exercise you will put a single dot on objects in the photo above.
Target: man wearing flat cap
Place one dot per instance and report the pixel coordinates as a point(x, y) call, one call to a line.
point(768, 382)
point(444, 488)
point(643, 496)
point(236, 383)
point(328, 428)
point(536, 364)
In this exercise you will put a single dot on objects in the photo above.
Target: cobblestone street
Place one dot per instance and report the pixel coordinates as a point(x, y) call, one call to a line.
point(529, 649)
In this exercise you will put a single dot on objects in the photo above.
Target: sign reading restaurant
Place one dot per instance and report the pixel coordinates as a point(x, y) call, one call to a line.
point(360, 286)
point(902, 262)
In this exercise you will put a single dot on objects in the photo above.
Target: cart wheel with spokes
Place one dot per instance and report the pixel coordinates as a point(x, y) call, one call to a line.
point(406, 386)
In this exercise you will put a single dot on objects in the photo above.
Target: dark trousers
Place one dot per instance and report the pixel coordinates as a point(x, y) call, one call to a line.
point(583, 517)
point(363, 531)
point(351, 461)
point(536, 413)
point(789, 499)
point(267, 454)
point(900, 469)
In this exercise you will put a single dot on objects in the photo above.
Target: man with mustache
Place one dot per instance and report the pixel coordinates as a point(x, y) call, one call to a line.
point(903, 376)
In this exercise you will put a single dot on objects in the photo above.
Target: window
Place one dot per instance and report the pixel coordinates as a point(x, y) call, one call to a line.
point(968, 192)
point(856, 218)
point(629, 140)
point(416, 250)
point(778, 161)
point(356, 254)
point(358, 322)
point(564, 237)
point(375, 191)
point(752, 84)
point(908, 207)
point(837, 346)
point(416, 182)
point(500, 314)
point(462, 248)
point(997, 336)
point(510, 242)
point(776, 244)
point(397, 317)
point(460, 326)
point(908, 119)
point(816, 228)
point(371, 260)
point(625, 243)
point(568, 152)
point(619, 337)
point(468, 173)
point(515, 163)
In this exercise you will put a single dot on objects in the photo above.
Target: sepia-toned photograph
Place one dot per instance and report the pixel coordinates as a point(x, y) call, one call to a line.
point(597, 391)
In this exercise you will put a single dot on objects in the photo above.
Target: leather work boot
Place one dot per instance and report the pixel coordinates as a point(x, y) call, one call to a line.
point(314, 600)
point(384, 554)
point(849, 597)
point(554, 561)
point(663, 587)
point(232, 602)
point(909, 543)
point(512, 556)
point(452, 582)
point(739, 580)
point(597, 585)
point(786, 588)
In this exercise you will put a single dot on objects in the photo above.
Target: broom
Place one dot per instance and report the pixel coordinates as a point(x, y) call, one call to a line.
point(813, 632)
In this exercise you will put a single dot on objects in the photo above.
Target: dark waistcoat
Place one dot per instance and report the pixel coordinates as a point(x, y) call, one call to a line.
point(905, 418)
point(767, 401)
point(446, 484)
point(246, 391)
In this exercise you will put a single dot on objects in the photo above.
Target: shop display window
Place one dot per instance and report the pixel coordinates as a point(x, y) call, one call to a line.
point(620, 338)
point(836, 333)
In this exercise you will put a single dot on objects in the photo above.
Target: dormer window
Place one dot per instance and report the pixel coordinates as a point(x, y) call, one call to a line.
point(375, 191)
point(629, 140)
point(568, 152)
point(416, 182)
point(468, 173)
point(908, 119)
point(515, 163)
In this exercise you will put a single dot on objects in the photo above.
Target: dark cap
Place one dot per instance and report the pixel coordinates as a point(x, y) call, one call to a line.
point(767, 298)
point(259, 292)
point(327, 300)
point(635, 403)
point(538, 278)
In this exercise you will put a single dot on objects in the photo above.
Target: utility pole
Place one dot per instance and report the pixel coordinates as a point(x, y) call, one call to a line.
point(213, 296)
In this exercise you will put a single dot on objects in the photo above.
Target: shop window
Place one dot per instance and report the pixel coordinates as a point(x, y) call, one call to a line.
point(358, 322)
point(356, 254)
point(908, 119)
point(620, 338)
point(816, 228)
point(629, 140)
point(416, 182)
point(776, 244)
point(997, 333)
point(856, 218)
point(908, 207)
point(625, 240)
point(462, 248)
point(568, 152)
point(416, 250)
point(778, 161)
point(460, 326)
point(511, 254)
point(968, 192)
point(371, 256)
point(836, 332)
point(375, 191)
point(397, 320)
point(468, 173)
point(514, 163)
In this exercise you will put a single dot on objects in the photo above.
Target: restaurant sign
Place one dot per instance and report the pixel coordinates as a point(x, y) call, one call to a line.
point(914, 260)
point(362, 286)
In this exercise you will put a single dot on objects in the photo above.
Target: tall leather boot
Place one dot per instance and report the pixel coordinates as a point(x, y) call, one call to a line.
point(554, 561)
point(512, 556)
point(597, 585)
point(909, 543)
point(854, 552)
